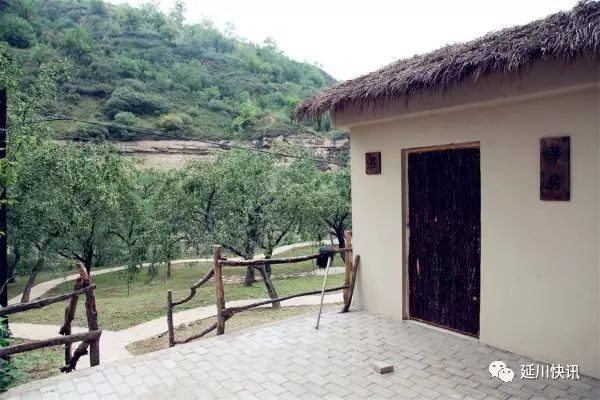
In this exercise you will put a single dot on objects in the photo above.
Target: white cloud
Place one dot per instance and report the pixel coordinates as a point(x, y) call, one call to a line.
point(350, 37)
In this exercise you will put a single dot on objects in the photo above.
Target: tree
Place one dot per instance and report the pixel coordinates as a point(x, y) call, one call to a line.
point(251, 202)
point(29, 238)
point(171, 207)
point(88, 182)
point(33, 219)
point(177, 12)
point(168, 32)
point(333, 205)
point(247, 116)
point(292, 191)
point(133, 221)
point(76, 42)
point(17, 31)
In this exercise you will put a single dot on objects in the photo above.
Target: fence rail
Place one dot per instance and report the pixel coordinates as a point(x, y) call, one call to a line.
point(90, 339)
point(224, 313)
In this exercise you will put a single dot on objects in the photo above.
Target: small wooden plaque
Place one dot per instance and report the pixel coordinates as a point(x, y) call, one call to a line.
point(373, 163)
point(555, 168)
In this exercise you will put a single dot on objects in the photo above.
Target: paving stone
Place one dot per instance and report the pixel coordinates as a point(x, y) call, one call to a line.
point(290, 360)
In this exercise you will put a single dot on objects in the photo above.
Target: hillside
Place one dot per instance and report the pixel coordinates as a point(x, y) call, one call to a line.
point(147, 69)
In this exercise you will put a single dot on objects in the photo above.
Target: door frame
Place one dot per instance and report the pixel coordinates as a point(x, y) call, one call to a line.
point(406, 229)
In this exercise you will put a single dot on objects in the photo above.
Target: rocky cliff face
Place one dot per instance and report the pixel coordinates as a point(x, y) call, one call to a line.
point(174, 153)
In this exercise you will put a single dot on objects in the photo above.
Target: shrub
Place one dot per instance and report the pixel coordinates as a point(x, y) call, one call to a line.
point(99, 90)
point(135, 84)
point(95, 133)
point(126, 118)
point(8, 373)
point(128, 99)
point(174, 122)
point(16, 31)
point(247, 116)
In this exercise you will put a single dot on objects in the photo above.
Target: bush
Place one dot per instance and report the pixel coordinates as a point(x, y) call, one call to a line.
point(126, 118)
point(128, 99)
point(99, 90)
point(16, 31)
point(134, 84)
point(174, 122)
point(95, 133)
point(8, 373)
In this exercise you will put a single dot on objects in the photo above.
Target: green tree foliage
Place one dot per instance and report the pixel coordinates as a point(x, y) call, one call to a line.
point(225, 84)
point(251, 202)
point(172, 212)
point(126, 118)
point(173, 122)
point(17, 31)
point(247, 116)
point(333, 213)
point(84, 189)
point(130, 100)
point(76, 42)
point(8, 373)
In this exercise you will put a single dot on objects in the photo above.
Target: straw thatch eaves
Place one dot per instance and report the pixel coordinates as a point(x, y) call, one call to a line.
point(562, 36)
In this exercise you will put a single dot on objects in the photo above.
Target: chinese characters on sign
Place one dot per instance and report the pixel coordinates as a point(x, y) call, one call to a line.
point(373, 163)
point(498, 369)
point(554, 371)
point(555, 168)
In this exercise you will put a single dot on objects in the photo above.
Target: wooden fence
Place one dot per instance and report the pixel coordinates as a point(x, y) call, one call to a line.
point(224, 313)
point(90, 339)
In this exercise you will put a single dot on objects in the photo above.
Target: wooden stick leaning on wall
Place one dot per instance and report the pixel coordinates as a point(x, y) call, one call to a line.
point(219, 289)
point(347, 263)
point(352, 284)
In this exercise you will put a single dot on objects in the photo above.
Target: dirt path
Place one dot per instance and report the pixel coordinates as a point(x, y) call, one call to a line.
point(113, 343)
point(42, 288)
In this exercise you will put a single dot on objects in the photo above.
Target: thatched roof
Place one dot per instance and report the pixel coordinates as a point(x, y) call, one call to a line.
point(563, 36)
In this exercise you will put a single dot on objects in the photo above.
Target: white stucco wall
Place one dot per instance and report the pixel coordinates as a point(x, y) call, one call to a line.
point(539, 260)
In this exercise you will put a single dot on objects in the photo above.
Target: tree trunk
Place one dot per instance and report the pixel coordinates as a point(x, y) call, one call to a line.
point(268, 254)
point(269, 285)
point(89, 259)
point(339, 233)
point(249, 278)
point(169, 268)
point(13, 265)
point(29, 285)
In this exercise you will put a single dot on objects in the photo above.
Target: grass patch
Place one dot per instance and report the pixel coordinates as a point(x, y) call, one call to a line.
point(15, 288)
point(37, 364)
point(246, 319)
point(120, 306)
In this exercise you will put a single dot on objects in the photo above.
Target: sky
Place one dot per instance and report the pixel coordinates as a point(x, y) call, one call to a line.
point(349, 38)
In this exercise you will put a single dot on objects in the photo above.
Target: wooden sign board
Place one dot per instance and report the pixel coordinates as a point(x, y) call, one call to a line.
point(373, 163)
point(555, 168)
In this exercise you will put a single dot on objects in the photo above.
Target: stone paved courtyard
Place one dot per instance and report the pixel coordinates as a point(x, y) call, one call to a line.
point(292, 360)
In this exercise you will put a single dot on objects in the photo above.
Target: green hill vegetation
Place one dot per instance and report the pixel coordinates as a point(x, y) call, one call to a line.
point(141, 67)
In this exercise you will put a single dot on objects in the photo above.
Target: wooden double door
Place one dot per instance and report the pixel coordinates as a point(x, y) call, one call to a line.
point(444, 236)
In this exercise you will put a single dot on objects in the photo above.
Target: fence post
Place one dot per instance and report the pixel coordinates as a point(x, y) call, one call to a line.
point(92, 317)
point(170, 326)
point(347, 263)
point(219, 290)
